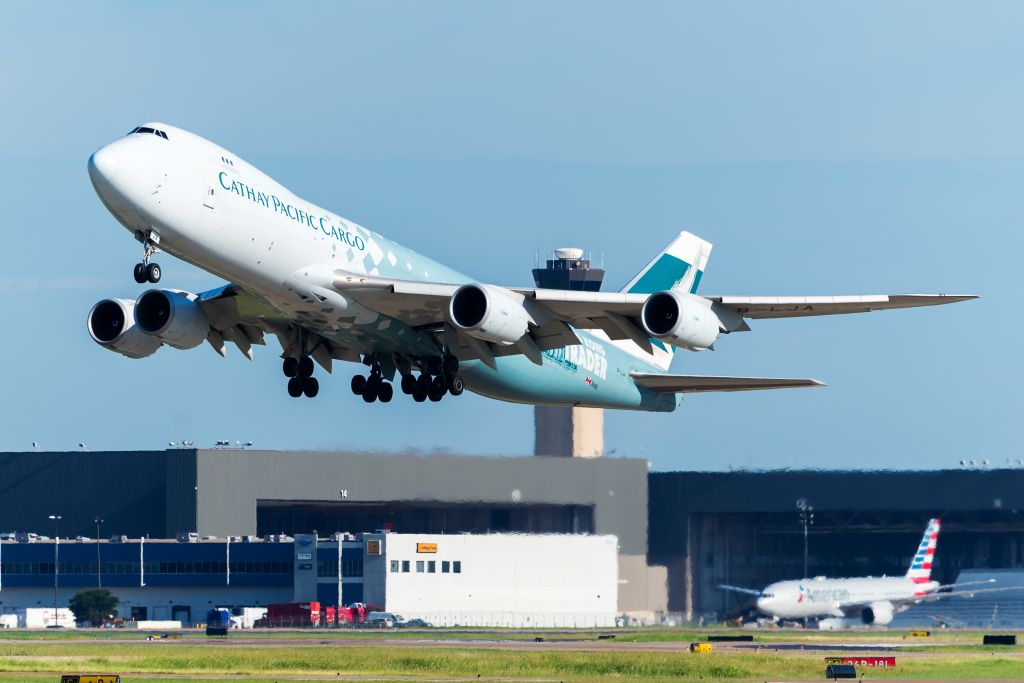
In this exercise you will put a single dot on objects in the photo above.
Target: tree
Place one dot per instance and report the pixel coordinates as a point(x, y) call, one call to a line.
point(94, 605)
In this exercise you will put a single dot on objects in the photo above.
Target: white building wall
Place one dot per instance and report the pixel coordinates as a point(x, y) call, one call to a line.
point(505, 579)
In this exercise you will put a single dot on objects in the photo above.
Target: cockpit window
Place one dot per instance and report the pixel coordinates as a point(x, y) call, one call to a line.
point(150, 131)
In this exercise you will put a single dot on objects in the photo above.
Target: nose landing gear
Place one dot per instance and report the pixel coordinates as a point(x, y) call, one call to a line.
point(146, 271)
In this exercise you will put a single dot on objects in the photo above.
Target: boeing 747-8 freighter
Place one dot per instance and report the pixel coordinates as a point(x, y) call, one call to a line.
point(331, 290)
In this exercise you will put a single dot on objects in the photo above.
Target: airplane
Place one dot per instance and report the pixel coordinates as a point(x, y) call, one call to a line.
point(866, 600)
point(331, 290)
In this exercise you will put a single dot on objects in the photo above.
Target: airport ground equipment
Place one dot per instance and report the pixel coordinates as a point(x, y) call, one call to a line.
point(700, 648)
point(999, 640)
point(836, 671)
point(218, 621)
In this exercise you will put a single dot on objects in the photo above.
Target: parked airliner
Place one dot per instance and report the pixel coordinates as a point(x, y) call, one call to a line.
point(867, 600)
point(330, 289)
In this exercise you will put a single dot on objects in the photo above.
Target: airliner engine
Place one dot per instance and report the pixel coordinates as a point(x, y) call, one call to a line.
point(681, 319)
point(173, 317)
point(112, 325)
point(487, 312)
point(877, 613)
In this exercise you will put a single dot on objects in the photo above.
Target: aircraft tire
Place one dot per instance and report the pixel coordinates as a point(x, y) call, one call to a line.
point(419, 395)
point(290, 366)
point(456, 386)
point(310, 387)
point(140, 273)
point(439, 386)
point(408, 384)
point(423, 383)
point(306, 367)
point(295, 387)
point(153, 273)
point(434, 365)
point(385, 392)
point(451, 366)
point(358, 385)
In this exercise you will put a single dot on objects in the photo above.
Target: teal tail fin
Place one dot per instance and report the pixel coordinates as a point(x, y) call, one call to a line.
point(679, 266)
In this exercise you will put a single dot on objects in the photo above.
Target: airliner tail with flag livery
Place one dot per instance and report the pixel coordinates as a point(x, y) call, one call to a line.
point(861, 601)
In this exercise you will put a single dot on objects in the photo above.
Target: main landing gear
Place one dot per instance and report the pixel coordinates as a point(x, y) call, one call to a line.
point(439, 377)
point(301, 380)
point(146, 271)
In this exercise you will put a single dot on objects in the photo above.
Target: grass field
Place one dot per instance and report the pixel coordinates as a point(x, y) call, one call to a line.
point(441, 655)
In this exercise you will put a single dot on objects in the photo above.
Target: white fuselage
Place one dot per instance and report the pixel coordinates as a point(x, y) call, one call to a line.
point(208, 207)
point(822, 597)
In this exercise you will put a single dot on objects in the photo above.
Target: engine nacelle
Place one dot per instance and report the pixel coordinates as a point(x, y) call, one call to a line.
point(681, 319)
point(112, 325)
point(172, 317)
point(489, 312)
point(877, 613)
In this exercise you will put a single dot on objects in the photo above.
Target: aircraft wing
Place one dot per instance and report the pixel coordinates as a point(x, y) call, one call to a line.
point(422, 304)
point(739, 589)
point(692, 384)
point(757, 307)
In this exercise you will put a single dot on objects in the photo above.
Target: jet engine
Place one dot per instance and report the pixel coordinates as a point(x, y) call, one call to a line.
point(172, 317)
point(112, 325)
point(489, 312)
point(681, 319)
point(877, 613)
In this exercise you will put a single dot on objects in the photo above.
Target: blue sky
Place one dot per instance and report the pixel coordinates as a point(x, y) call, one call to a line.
point(822, 147)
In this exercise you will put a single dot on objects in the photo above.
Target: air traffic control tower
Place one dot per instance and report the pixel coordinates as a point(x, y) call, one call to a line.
point(568, 432)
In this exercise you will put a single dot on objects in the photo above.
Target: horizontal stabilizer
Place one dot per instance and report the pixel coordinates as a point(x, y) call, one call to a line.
point(692, 384)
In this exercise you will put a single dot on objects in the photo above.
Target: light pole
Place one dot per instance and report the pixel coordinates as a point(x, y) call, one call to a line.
point(99, 567)
point(56, 564)
point(807, 519)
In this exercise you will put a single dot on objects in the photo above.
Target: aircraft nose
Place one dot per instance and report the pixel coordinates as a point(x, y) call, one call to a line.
point(103, 165)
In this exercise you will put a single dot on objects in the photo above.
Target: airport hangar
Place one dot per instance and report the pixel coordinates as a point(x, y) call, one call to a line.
point(679, 534)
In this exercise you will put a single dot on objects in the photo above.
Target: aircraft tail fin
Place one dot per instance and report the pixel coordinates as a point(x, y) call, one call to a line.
point(921, 566)
point(679, 267)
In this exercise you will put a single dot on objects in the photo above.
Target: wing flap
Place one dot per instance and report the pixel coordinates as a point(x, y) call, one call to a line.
point(693, 384)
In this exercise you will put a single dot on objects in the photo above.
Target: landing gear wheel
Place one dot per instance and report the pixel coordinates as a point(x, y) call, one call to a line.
point(456, 386)
point(437, 390)
point(385, 392)
point(371, 389)
point(140, 273)
point(310, 387)
point(418, 394)
point(290, 366)
point(295, 387)
point(153, 273)
point(451, 366)
point(423, 383)
point(306, 367)
point(408, 384)
point(358, 384)
point(434, 365)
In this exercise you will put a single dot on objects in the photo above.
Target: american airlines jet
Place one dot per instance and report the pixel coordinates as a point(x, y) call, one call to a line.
point(331, 290)
point(868, 600)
